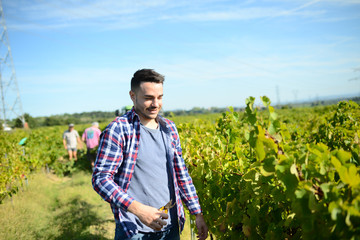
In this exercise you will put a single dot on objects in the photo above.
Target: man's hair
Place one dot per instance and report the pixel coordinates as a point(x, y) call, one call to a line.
point(145, 75)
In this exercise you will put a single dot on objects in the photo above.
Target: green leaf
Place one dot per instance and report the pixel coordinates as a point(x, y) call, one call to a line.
point(294, 170)
point(290, 182)
point(343, 156)
point(252, 118)
point(259, 150)
point(312, 202)
point(347, 220)
point(336, 163)
point(273, 114)
point(349, 175)
point(266, 101)
point(353, 176)
point(250, 175)
point(289, 219)
point(334, 213)
point(325, 187)
point(269, 164)
point(300, 193)
point(282, 166)
point(250, 102)
point(264, 172)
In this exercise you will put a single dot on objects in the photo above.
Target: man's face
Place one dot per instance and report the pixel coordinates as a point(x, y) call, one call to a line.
point(71, 128)
point(147, 100)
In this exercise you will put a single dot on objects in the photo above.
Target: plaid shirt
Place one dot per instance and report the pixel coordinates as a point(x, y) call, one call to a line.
point(116, 160)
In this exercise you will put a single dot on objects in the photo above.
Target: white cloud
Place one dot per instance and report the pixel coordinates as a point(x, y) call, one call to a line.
point(111, 14)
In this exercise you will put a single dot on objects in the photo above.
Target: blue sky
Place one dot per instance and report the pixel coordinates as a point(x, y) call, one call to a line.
point(77, 56)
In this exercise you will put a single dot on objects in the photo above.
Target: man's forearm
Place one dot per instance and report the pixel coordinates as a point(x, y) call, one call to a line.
point(110, 191)
point(135, 207)
point(148, 215)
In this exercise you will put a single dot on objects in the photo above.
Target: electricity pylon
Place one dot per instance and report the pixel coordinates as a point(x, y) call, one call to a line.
point(11, 106)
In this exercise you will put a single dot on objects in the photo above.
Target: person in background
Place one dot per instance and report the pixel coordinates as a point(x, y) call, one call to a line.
point(91, 136)
point(140, 170)
point(71, 139)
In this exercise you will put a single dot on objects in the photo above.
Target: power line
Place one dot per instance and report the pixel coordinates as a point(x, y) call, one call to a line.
point(10, 97)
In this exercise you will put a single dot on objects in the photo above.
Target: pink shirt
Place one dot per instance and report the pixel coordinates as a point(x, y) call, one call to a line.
point(91, 136)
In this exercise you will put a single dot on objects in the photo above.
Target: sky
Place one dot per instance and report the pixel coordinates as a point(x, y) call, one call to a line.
point(73, 56)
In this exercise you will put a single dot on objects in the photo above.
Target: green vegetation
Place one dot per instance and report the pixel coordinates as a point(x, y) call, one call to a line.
point(43, 148)
point(56, 208)
point(101, 116)
point(289, 174)
point(51, 207)
point(261, 173)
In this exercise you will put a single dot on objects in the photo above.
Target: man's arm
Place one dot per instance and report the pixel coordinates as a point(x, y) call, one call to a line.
point(201, 227)
point(148, 215)
point(108, 160)
point(83, 136)
point(64, 142)
point(80, 142)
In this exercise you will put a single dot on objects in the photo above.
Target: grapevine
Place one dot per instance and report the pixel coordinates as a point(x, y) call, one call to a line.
point(262, 178)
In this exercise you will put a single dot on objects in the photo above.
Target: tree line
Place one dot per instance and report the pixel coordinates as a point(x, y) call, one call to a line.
point(99, 116)
point(107, 116)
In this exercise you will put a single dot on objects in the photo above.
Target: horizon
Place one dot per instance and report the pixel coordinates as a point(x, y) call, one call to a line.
point(256, 104)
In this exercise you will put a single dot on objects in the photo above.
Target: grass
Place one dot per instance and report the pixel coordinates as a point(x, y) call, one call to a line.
point(50, 207)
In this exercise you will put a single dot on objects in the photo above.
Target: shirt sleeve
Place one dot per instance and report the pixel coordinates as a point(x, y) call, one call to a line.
point(109, 159)
point(187, 189)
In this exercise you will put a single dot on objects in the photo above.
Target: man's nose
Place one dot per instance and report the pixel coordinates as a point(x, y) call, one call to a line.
point(155, 102)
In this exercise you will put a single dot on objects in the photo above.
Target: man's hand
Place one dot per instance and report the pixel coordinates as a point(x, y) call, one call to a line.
point(201, 227)
point(150, 216)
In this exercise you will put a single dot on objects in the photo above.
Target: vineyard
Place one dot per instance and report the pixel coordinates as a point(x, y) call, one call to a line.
point(287, 175)
point(262, 173)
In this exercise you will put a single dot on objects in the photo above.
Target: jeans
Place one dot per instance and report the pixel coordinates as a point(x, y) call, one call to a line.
point(170, 234)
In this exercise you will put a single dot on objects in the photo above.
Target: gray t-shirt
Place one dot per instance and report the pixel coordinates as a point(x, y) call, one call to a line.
point(71, 138)
point(151, 183)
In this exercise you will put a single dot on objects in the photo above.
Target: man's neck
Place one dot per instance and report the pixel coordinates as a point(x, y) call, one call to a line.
point(149, 123)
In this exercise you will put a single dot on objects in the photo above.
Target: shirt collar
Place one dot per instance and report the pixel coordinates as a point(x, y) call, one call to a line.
point(133, 116)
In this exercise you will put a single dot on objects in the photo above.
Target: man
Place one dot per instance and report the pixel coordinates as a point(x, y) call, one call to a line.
point(139, 168)
point(91, 136)
point(70, 140)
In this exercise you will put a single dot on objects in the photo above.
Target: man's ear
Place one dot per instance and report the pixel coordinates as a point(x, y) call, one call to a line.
point(132, 95)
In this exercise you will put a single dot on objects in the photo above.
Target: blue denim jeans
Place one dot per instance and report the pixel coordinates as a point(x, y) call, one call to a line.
point(170, 234)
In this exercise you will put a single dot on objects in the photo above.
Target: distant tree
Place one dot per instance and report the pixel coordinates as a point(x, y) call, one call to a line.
point(32, 122)
point(169, 114)
point(53, 121)
point(73, 120)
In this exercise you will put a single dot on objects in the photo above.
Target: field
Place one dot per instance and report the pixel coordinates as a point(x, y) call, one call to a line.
point(53, 207)
point(56, 208)
point(263, 173)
